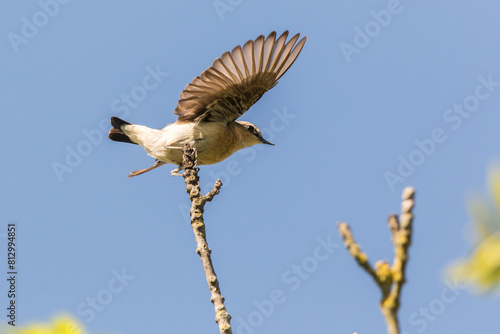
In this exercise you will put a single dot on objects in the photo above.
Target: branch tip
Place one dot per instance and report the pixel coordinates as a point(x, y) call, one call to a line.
point(390, 279)
point(408, 193)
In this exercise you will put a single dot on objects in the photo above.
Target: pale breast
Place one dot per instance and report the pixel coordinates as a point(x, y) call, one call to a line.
point(213, 141)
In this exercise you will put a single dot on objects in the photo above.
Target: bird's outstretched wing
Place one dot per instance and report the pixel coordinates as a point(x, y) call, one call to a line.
point(238, 79)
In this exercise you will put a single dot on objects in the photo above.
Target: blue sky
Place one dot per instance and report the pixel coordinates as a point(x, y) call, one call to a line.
point(384, 95)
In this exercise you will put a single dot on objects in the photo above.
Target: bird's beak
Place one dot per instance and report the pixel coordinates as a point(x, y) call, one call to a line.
point(263, 141)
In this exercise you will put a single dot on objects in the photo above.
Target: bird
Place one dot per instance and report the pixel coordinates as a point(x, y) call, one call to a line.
point(210, 105)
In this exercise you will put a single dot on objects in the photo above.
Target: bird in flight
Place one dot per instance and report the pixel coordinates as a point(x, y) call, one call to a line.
point(210, 105)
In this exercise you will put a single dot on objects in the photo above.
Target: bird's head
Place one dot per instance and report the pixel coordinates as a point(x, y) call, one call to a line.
point(250, 134)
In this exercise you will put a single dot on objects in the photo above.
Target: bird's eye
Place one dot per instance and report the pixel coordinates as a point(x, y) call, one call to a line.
point(251, 129)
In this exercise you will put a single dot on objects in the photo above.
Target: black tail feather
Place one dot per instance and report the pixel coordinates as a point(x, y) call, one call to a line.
point(118, 122)
point(116, 134)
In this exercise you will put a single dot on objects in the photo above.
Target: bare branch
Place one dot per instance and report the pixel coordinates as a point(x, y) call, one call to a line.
point(390, 279)
point(222, 317)
point(355, 250)
point(215, 191)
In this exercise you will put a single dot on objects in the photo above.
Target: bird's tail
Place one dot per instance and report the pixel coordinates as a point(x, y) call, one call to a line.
point(116, 132)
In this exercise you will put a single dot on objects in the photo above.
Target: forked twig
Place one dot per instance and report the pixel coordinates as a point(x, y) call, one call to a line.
point(390, 279)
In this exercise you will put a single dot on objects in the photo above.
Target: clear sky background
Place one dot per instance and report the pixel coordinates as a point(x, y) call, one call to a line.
point(348, 113)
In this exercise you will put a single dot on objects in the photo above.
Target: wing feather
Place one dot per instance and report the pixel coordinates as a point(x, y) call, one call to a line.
point(239, 62)
point(291, 57)
point(258, 53)
point(277, 51)
point(238, 79)
point(228, 63)
point(248, 58)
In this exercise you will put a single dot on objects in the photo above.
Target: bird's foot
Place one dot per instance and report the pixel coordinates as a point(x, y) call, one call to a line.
point(176, 171)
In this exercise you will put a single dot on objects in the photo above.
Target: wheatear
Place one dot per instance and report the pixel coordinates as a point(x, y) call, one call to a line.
point(210, 105)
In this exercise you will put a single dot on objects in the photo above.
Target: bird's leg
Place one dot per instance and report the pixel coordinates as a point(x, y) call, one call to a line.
point(176, 171)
